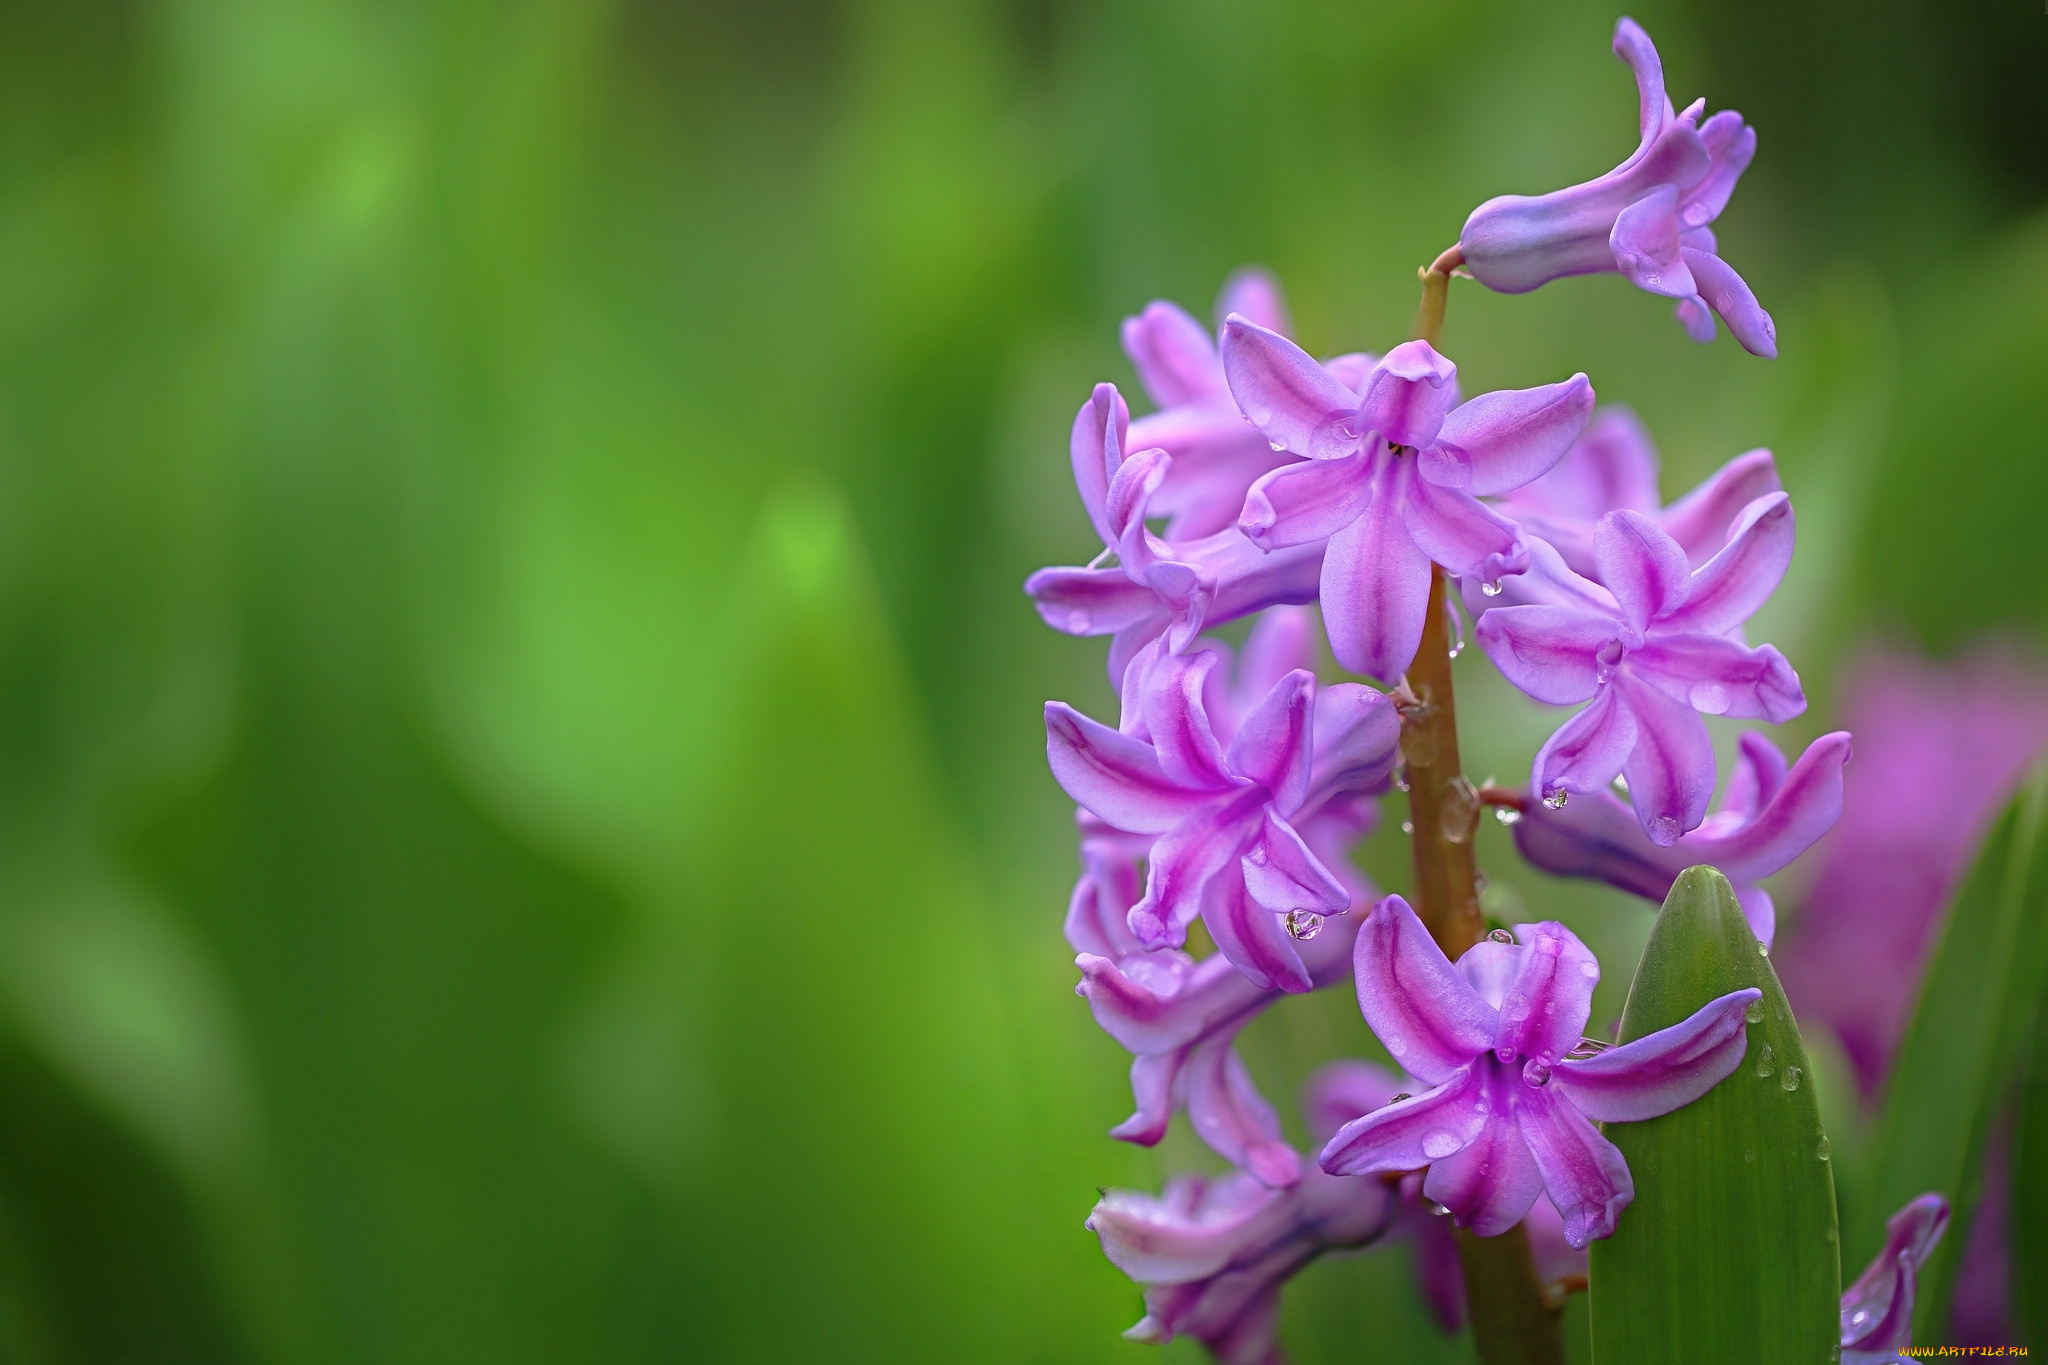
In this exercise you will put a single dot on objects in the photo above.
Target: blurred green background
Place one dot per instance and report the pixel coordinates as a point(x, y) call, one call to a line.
point(523, 830)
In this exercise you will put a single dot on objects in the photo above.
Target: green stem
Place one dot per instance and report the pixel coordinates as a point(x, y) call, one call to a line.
point(1511, 1322)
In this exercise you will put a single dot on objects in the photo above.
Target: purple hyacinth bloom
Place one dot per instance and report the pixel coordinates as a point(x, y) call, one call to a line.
point(1939, 749)
point(1650, 647)
point(1392, 480)
point(1219, 802)
point(1613, 467)
point(1215, 455)
point(1769, 815)
point(1157, 587)
point(1508, 1117)
point(1180, 1017)
point(1647, 218)
point(1213, 1252)
point(1877, 1310)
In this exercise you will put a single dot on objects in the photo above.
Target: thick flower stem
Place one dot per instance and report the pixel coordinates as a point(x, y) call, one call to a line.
point(1511, 1322)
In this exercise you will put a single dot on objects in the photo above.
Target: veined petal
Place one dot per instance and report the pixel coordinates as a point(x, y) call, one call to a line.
point(1344, 1090)
point(1228, 1112)
point(1583, 1172)
point(1412, 1134)
point(1375, 585)
point(1183, 862)
point(1796, 813)
point(1307, 501)
point(1587, 750)
point(1153, 1078)
point(1646, 247)
point(1408, 394)
point(1462, 533)
point(1092, 601)
point(1172, 702)
point(1702, 520)
point(1877, 1310)
point(1191, 1233)
point(1728, 295)
point(1174, 355)
point(1732, 145)
point(1425, 1013)
point(1107, 889)
point(1502, 440)
point(1612, 465)
point(1550, 652)
point(1116, 777)
point(1286, 395)
point(1742, 575)
point(1281, 641)
point(1097, 448)
point(1490, 1185)
point(1543, 1014)
point(1662, 1071)
point(1358, 736)
point(1274, 745)
point(1148, 1020)
point(1696, 318)
point(1283, 874)
point(1250, 937)
point(1644, 568)
point(1130, 493)
point(1256, 294)
point(1760, 910)
point(1717, 676)
point(1670, 770)
point(1633, 46)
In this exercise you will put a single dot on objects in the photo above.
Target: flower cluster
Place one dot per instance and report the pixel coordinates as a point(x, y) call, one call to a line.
point(1340, 503)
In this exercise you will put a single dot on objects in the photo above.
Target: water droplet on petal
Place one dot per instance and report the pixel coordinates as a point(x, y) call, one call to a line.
point(1303, 924)
point(1258, 856)
point(1507, 815)
point(1621, 784)
point(1789, 1079)
point(1501, 936)
point(1396, 1048)
point(1078, 622)
point(1824, 1150)
point(1765, 1064)
point(1556, 799)
point(1277, 445)
point(1755, 1012)
point(1589, 968)
point(1404, 1095)
point(1536, 1073)
point(1439, 1143)
point(1492, 589)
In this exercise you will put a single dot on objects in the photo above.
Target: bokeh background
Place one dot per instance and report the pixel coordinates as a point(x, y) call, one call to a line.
point(523, 831)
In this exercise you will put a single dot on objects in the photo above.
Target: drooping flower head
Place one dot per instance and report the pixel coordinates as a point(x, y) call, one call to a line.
point(1508, 1115)
point(1877, 1310)
point(1648, 218)
point(1213, 1252)
point(1394, 472)
point(1769, 815)
point(1651, 646)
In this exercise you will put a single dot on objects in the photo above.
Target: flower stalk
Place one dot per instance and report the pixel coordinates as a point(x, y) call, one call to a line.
point(1513, 1323)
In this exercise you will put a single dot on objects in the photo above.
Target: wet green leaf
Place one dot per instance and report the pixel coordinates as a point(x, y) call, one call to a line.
point(1729, 1251)
point(1957, 1062)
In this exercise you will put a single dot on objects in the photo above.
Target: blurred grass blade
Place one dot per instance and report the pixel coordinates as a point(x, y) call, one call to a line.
point(1729, 1251)
point(1957, 1060)
point(2028, 1292)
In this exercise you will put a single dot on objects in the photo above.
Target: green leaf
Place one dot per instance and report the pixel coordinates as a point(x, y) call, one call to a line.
point(1957, 1062)
point(1729, 1251)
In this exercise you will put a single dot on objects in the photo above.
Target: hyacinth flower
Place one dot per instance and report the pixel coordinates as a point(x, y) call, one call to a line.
point(1650, 647)
point(1215, 455)
point(1213, 1252)
point(1877, 1310)
point(1510, 1110)
point(1613, 467)
point(1179, 1017)
point(1219, 812)
point(1392, 478)
point(1158, 588)
point(1647, 219)
point(1769, 815)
